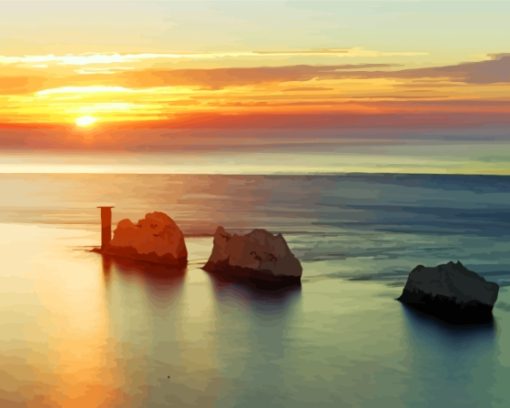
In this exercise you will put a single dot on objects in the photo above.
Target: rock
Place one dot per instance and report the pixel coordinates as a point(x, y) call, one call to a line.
point(451, 292)
point(155, 238)
point(257, 256)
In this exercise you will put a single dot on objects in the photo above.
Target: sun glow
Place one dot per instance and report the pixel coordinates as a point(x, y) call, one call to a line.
point(85, 121)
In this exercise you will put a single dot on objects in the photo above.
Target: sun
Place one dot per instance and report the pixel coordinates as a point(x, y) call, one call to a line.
point(85, 121)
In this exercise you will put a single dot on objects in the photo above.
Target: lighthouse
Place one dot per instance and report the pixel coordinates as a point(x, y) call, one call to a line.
point(106, 226)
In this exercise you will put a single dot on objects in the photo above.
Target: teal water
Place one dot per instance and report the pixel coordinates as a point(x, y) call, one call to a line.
point(78, 330)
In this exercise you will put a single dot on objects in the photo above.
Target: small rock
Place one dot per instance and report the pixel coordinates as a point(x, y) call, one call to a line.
point(257, 256)
point(155, 238)
point(451, 292)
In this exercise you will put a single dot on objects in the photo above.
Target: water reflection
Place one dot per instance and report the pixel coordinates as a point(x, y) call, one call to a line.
point(419, 320)
point(440, 353)
point(260, 299)
point(255, 329)
point(162, 282)
point(146, 305)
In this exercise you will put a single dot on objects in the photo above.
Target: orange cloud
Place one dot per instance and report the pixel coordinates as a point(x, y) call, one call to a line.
point(167, 95)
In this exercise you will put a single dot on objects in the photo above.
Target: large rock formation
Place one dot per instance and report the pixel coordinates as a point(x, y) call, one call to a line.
point(451, 292)
point(257, 256)
point(155, 238)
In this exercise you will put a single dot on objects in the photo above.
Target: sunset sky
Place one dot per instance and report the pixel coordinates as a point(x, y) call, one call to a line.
point(255, 86)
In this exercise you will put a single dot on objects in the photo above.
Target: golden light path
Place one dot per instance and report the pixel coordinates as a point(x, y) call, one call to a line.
point(85, 121)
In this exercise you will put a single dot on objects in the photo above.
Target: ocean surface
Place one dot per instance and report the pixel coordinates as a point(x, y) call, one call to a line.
point(81, 331)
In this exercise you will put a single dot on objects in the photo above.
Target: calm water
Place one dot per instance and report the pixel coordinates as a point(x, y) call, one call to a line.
point(82, 331)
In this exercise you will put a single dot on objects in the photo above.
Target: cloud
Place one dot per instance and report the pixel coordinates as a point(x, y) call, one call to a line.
point(222, 77)
point(206, 78)
point(491, 71)
point(308, 89)
point(494, 70)
point(462, 91)
point(118, 58)
point(73, 90)
point(20, 84)
point(343, 52)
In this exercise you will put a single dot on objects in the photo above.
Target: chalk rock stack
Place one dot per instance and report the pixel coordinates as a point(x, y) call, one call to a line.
point(257, 256)
point(451, 292)
point(155, 238)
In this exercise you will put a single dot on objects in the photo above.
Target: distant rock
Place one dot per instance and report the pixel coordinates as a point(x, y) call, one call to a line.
point(155, 238)
point(258, 256)
point(451, 292)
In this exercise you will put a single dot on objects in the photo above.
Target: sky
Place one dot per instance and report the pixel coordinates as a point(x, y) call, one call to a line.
point(255, 86)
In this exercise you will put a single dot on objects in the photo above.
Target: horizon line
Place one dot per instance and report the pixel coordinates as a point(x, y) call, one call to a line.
point(288, 174)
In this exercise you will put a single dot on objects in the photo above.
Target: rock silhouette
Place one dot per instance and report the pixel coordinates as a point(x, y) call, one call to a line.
point(451, 292)
point(258, 256)
point(155, 238)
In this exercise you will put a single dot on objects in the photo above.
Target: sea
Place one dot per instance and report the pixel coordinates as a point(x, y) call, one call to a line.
point(79, 330)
